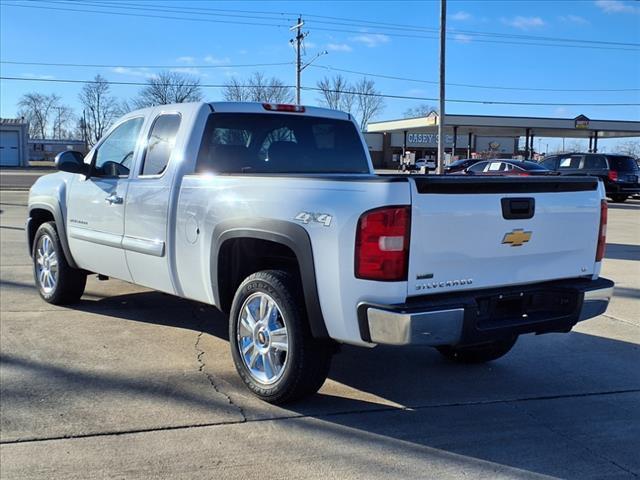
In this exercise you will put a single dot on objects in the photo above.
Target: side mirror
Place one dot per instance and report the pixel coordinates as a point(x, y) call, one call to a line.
point(72, 162)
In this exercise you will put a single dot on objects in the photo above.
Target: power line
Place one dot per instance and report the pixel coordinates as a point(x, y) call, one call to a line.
point(350, 21)
point(468, 85)
point(341, 30)
point(323, 67)
point(185, 65)
point(126, 14)
point(347, 92)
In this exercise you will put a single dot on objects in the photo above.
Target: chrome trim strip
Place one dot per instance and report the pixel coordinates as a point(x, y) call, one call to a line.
point(442, 327)
point(143, 245)
point(94, 236)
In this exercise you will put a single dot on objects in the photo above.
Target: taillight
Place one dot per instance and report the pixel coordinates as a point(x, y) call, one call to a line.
point(613, 175)
point(602, 233)
point(283, 107)
point(382, 244)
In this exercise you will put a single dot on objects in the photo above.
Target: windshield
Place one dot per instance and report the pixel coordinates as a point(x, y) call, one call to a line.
point(279, 143)
point(624, 164)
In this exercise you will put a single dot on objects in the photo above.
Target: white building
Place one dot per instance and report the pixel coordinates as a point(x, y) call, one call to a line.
point(14, 138)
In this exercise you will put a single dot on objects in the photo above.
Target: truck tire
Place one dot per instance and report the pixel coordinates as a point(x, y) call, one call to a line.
point(619, 198)
point(57, 282)
point(485, 352)
point(271, 342)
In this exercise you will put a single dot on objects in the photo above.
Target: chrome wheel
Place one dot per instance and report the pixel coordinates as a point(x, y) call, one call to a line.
point(46, 264)
point(262, 338)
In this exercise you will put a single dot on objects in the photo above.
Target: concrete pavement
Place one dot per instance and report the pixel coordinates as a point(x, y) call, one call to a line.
point(136, 384)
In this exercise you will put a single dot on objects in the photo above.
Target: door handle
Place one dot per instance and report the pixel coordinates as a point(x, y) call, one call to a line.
point(114, 199)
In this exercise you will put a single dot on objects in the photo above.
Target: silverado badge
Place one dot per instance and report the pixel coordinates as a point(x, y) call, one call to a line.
point(517, 237)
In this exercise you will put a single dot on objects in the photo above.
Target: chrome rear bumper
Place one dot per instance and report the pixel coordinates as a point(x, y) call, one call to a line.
point(458, 320)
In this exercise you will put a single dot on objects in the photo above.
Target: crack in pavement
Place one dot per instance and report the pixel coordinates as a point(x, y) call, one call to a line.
point(627, 322)
point(201, 368)
point(364, 411)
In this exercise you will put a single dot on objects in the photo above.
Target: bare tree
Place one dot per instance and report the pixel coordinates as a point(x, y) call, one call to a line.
point(336, 93)
point(422, 110)
point(37, 108)
point(258, 88)
point(101, 108)
point(169, 87)
point(630, 147)
point(62, 122)
point(368, 101)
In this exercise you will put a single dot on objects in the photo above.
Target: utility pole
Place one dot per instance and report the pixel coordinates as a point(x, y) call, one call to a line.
point(298, 46)
point(441, 121)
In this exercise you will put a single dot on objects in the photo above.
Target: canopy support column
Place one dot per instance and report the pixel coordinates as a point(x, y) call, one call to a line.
point(595, 142)
point(531, 149)
point(526, 144)
point(455, 141)
point(469, 139)
point(404, 144)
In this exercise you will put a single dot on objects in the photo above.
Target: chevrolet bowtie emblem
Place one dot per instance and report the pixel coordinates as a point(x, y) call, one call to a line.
point(517, 237)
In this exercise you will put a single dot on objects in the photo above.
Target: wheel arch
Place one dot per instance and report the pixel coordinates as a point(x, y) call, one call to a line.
point(284, 235)
point(40, 213)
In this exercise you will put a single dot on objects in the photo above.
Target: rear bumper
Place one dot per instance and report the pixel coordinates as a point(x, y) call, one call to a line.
point(623, 188)
point(468, 318)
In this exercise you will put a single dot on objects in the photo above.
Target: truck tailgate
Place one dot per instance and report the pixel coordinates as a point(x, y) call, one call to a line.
point(469, 233)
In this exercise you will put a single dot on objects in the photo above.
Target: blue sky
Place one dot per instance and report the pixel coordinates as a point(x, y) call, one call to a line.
point(62, 36)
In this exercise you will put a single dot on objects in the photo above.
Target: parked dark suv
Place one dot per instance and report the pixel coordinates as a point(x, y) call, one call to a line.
point(620, 173)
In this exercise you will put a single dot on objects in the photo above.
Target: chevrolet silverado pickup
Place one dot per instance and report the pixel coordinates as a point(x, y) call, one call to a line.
point(273, 214)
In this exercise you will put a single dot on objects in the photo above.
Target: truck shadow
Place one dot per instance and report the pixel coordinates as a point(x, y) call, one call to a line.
point(516, 412)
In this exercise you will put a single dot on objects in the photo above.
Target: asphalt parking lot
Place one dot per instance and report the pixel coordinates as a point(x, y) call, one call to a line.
point(136, 384)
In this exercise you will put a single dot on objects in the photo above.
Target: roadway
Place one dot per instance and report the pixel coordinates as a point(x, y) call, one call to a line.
point(131, 383)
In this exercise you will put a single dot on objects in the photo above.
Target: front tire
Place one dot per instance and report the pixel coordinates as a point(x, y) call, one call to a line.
point(485, 352)
point(271, 342)
point(619, 198)
point(57, 282)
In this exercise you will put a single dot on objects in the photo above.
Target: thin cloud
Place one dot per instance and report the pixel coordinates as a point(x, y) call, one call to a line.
point(339, 47)
point(371, 39)
point(462, 38)
point(576, 19)
point(616, 6)
point(133, 72)
point(524, 23)
point(211, 60)
point(461, 16)
point(40, 77)
point(186, 59)
point(188, 71)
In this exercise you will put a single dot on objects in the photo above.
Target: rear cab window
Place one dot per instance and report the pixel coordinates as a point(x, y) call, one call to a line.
point(160, 143)
point(280, 143)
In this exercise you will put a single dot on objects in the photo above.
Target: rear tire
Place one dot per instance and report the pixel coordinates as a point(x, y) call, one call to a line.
point(619, 198)
point(271, 343)
point(57, 282)
point(485, 352)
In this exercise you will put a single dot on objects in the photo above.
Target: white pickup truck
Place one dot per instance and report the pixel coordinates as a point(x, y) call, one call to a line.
point(273, 214)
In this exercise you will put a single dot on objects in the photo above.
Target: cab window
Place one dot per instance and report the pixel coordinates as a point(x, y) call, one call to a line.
point(572, 162)
point(114, 156)
point(162, 139)
point(595, 162)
